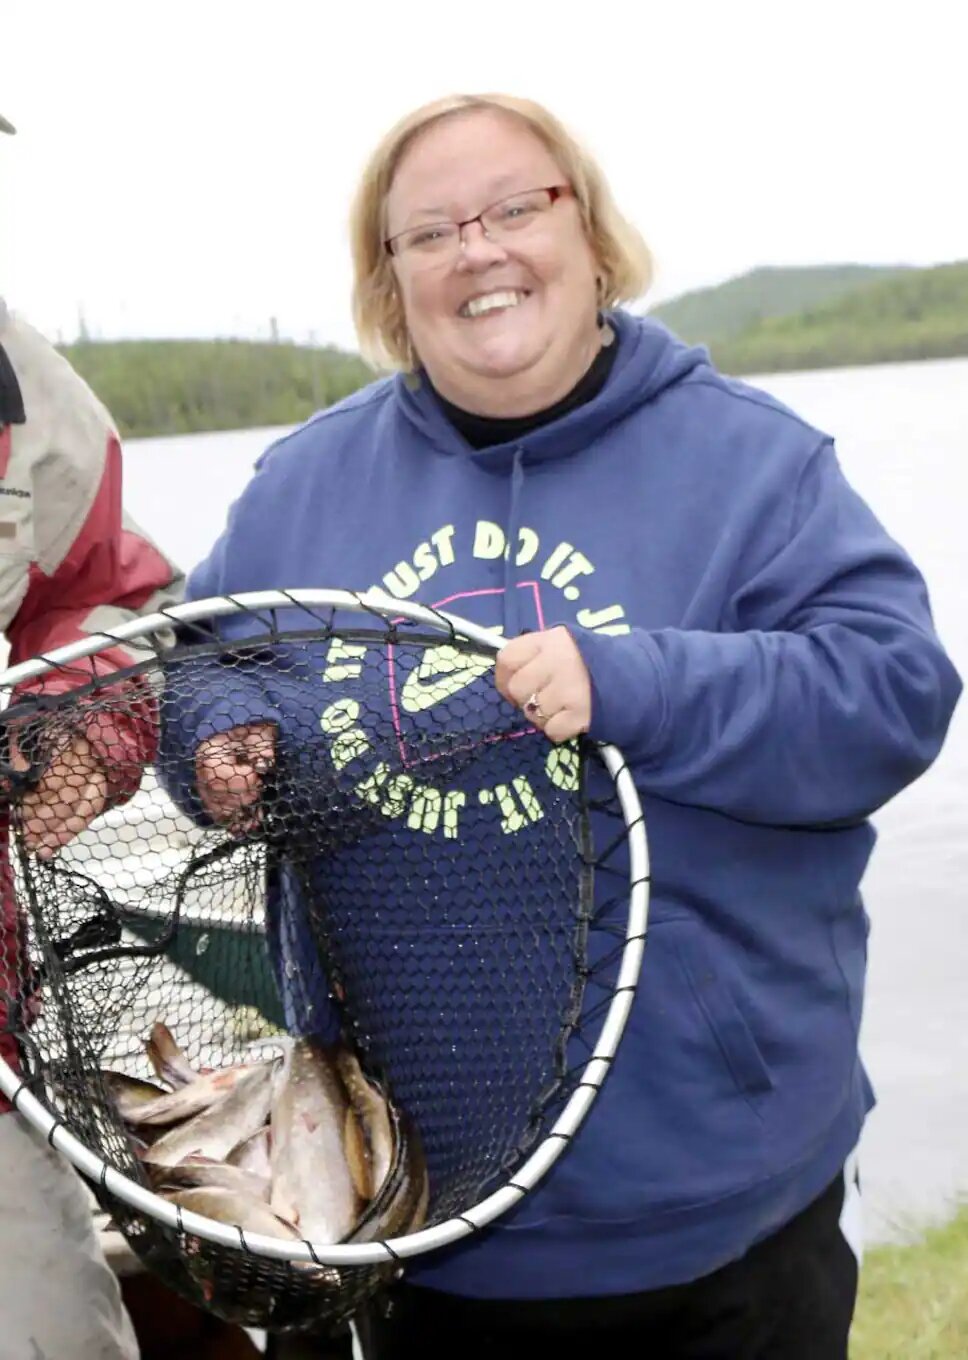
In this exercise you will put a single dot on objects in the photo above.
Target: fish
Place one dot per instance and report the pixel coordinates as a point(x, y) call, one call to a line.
point(218, 1129)
point(170, 1063)
point(230, 1206)
point(372, 1121)
point(202, 1172)
point(401, 1205)
point(251, 1216)
point(252, 1154)
point(203, 1093)
point(310, 1169)
point(130, 1095)
point(357, 1152)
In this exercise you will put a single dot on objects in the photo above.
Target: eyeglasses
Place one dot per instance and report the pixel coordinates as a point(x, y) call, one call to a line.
point(433, 242)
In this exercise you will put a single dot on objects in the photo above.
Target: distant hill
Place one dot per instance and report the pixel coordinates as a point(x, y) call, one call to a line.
point(718, 313)
point(768, 320)
point(179, 386)
point(917, 314)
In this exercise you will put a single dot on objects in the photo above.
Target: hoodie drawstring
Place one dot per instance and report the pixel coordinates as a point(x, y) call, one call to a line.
point(512, 613)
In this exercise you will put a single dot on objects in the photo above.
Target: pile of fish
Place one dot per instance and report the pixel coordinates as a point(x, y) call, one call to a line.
point(299, 1146)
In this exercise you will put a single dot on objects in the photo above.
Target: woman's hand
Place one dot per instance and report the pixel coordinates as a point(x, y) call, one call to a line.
point(229, 769)
point(67, 797)
point(544, 675)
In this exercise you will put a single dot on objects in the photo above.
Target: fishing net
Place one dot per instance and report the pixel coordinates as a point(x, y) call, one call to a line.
point(319, 826)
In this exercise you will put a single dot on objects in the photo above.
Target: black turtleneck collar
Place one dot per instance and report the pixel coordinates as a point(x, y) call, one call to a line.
point(483, 432)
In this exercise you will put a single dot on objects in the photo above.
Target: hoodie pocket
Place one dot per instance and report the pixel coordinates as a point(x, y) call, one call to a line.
point(682, 1119)
point(714, 991)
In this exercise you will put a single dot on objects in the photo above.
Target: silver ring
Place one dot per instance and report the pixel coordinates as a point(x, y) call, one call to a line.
point(534, 709)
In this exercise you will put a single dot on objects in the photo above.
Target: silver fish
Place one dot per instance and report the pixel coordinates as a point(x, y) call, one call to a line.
point(372, 1122)
point(217, 1130)
point(229, 1206)
point(170, 1063)
point(130, 1095)
point(201, 1172)
point(204, 1093)
point(310, 1171)
point(400, 1207)
point(252, 1154)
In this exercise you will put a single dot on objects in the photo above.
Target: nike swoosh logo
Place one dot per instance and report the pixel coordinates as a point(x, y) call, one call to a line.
point(442, 673)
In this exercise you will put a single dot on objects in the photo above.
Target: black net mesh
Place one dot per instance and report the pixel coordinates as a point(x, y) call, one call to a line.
point(316, 842)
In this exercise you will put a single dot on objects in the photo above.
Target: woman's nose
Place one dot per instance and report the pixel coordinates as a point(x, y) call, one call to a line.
point(477, 249)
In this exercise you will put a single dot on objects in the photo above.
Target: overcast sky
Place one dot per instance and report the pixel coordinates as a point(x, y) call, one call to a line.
point(184, 168)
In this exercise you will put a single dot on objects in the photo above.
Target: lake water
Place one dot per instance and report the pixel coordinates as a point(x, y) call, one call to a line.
point(902, 433)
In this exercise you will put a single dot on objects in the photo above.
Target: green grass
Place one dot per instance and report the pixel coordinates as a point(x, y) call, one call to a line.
point(913, 1302)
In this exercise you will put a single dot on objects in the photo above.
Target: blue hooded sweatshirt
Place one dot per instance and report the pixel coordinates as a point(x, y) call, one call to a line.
point(763, 654)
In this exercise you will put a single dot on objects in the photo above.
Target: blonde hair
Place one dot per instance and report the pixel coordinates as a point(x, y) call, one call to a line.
point(624, 261)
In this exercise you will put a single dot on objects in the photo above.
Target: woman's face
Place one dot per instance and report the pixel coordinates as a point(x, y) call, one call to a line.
point(503, 326)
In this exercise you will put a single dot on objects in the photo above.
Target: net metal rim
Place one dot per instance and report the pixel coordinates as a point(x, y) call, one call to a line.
point(540, 1161)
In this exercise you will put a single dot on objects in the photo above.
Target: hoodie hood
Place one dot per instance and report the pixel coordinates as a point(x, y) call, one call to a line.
point(649, 361)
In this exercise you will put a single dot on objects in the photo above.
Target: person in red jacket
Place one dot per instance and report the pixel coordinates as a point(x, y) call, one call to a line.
point(71, 563)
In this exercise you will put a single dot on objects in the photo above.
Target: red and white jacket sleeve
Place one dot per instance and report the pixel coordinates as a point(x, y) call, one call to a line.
point(71, 561)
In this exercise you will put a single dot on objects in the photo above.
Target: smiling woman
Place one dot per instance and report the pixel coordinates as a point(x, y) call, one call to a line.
point(486, 245)
point(680, 569)
point(512, 324)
